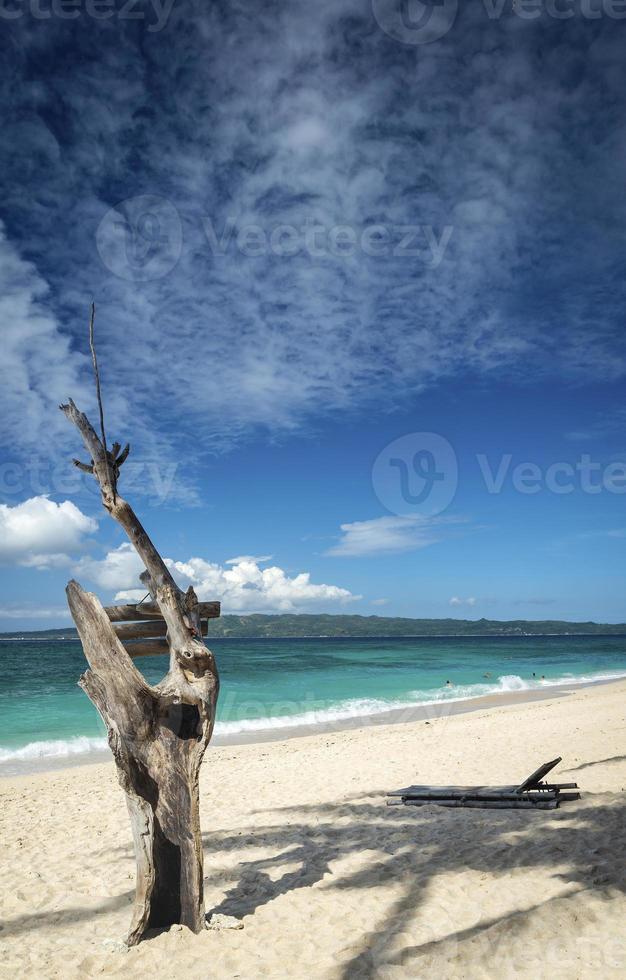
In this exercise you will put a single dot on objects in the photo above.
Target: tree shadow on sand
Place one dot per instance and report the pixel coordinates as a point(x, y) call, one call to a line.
point(63, 918)
point(585, 839)
point(596, 762)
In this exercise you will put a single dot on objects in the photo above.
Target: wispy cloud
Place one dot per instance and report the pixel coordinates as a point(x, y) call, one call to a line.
point(258, 559)
point(38, 366)
point(605, 424)
point(388, 535)
point(535, 601)
point(34, 612)
point(320, 120)
point(457, 601)
point(612, 532)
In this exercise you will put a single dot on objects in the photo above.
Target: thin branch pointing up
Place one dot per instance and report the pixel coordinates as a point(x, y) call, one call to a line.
point(97, 375)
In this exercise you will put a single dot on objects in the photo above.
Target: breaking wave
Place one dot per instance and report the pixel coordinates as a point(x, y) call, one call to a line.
point(55, 748)
point(353, 709)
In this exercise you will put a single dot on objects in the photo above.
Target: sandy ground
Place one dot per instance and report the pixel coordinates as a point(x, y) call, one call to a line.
point(327, 880)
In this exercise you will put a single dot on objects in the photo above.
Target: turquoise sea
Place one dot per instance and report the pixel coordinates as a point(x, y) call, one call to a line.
point(278, 684)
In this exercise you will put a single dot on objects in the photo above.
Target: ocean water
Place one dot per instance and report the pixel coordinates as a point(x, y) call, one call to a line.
point(277, 684)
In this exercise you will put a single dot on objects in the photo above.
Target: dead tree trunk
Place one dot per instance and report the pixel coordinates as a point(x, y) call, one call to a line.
point(158, 734)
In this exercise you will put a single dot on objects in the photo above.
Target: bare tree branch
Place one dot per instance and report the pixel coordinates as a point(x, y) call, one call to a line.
point(98, 392)
point(158, 734)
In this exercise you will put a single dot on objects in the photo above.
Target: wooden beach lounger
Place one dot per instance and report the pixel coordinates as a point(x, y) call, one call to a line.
point(532, 794)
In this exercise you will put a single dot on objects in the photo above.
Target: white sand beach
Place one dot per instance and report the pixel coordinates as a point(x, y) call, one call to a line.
point(327, 880)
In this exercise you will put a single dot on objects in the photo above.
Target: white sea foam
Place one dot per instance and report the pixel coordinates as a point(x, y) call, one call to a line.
point(365, 708)
point(346, 710)
point(57, 747)
point(357, 708)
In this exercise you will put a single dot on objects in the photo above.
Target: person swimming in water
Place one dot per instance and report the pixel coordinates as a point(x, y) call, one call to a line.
point(449, 684)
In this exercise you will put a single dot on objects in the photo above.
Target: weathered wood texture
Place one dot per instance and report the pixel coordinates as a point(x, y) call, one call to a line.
point(158, 734)
point(438, 794)
point(149, 610)
point(142, 631)
point(147, 648)
point(488, 804)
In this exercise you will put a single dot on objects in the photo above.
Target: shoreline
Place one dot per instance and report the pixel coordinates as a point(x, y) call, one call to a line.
point(23, 637)
point(433, 711)
point(322, 878)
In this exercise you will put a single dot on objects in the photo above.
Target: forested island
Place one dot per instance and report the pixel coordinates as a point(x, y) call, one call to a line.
point(260, 625)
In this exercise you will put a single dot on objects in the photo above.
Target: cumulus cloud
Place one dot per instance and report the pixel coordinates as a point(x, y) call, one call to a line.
point(386, 535)
point(41, 533)
point(457, 601)
point(120, 569)
point(241, 585)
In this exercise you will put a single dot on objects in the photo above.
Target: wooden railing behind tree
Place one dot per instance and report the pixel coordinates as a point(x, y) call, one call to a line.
point(142, 628)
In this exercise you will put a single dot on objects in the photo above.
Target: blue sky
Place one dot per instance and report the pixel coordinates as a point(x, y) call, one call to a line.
point(352, 280)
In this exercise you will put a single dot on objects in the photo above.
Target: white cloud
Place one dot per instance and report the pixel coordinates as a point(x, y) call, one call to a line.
point(307, 133)
point(386, 535)
point(289, 339)
point(39, 367)
point(241, 587)
point(120, 569)
point(457, 601)
point(380, 602)
point(34, 612)
point(259, 559)
point(40, 533)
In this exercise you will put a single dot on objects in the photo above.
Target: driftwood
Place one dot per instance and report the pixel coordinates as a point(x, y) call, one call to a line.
point(149, 610)
point(140, 631)
point(149, 648)
point(158, 734)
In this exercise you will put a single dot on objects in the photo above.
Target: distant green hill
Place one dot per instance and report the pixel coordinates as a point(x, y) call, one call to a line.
point(309, 625)
point(259, 625)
